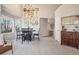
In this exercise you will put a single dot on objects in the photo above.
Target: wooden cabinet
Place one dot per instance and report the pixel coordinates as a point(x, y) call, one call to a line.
point(70, 38)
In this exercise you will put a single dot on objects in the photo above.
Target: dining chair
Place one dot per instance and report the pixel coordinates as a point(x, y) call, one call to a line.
point(36, 34)
point(18, 33)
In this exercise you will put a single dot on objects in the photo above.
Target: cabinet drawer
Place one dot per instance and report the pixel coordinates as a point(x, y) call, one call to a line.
point(70, 38)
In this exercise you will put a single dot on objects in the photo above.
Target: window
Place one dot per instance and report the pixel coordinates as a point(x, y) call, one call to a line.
point(5, 24)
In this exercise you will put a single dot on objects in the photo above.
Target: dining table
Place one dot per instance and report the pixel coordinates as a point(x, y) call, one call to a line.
point(27, 34)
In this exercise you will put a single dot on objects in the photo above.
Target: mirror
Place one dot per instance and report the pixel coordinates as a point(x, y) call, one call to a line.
point(70, 23)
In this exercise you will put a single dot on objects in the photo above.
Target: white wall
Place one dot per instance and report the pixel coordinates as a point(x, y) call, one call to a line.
point(13, 9)
point(46, 10)
point(62, 11)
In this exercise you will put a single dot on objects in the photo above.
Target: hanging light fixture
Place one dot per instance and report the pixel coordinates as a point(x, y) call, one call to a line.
point(29, 14)
point(30, 11)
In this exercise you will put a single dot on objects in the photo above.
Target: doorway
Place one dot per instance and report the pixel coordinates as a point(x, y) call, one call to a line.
point(44, 26)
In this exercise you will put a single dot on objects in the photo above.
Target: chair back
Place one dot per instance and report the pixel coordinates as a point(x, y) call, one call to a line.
point(24, 29)
point(36, 31)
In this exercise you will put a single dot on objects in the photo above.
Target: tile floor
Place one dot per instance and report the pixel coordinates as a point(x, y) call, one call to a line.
point(46, 46)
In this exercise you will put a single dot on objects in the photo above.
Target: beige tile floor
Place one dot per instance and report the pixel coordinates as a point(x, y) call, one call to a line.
point(46, 46)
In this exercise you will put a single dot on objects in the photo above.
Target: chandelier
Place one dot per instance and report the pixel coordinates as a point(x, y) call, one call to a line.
point(29, 11)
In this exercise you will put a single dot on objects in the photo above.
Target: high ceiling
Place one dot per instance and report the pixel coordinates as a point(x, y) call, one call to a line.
point(45, 10)
point(52, 6)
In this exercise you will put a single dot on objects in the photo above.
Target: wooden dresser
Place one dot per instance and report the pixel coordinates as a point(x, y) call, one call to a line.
point(70, 38)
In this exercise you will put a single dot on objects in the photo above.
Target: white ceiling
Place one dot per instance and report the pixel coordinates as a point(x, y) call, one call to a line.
point(46, 10)
point(52, 6)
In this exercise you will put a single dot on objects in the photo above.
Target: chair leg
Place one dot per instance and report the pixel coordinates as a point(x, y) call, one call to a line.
point(33, 37)
point(38, 38)
point(22, 40)
point(17, 38)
